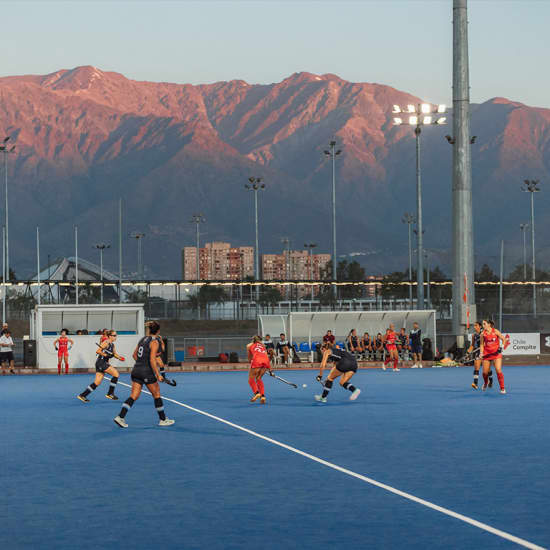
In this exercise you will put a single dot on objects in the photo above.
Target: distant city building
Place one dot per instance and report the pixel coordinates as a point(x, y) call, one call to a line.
point(218, 261)
point(294, 266)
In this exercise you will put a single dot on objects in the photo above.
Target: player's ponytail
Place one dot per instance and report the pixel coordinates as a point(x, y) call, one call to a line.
point(256, 339)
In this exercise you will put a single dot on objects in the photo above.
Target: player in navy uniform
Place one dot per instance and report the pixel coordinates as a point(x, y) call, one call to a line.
point(345, 365)
point(146, 372)
point(415, 338)
point(474, 349)
point(105, 352)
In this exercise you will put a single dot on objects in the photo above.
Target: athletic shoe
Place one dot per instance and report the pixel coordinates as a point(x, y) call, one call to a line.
point(420, 366)
point(262, 400)
point(320, 398)
point(355, 394)
point(415, 366)
point(120, 422)
point(503, 390)
point(111, 396)
point(474, 385)
point(383, 367)
point(396, 370)
point(484, 387)
point(166, 422)
point(83, 399)
point(255, 398)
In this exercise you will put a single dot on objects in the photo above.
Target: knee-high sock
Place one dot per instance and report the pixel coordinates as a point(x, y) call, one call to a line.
point(112, 385)
point(476, 376)
point(66, 368)
point(348, 386)
point(388, 360)
point(126, 407)
point(500, 377)
point(253, 385)
point(89, 389)
point(395, 362)
point(328, 385)
point(491, 376)
point(260, 383)
point(160, 408)
point(59, 366)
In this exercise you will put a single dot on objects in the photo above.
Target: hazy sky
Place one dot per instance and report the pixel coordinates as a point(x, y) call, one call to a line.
point(403, 43)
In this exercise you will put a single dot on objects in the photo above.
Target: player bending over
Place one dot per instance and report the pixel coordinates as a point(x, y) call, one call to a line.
point(62, 346)
point(491, 351)
point(146, 372)
point(345, 365)
point(105, 352)
point(259, 365)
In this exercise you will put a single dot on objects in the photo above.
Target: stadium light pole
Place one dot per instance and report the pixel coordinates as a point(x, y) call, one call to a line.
point(409, 219)
point(75, 265)
point(310, 247)
point(531, 186)
point(197, 219)
point(286, 242)
point(6, 150)
point(4, 274)
point(101, 247)
point(255, 184)
point(418, 116)
point(139, 236)
point(38, 262)
point(333, 153)
point(523, 227)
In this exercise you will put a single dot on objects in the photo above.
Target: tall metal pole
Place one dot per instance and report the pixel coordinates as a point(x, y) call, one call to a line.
point(3, 274)
point(500, 286)
point(419, 231)
point(6, 207)
point(428, 295)
point(120, 250)
point(533, 252)
point(333, 154)
point(38, 261)
point(409, 220)
point(101, 272)
point(463, 233)
point(197, 219)
point(523, 227)
point(257, 258)
point(76, 263)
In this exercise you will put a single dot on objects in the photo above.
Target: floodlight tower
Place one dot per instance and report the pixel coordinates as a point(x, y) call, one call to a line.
point(101, 247)
point(6, 150)
point(197, 219)
point(409, 219)
point(310, 247)
point(531, 186)
point(420, 115)
point(524, 227)
point(255, 184)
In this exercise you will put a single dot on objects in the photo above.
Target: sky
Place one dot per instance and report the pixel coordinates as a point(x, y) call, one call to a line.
point(406, 44)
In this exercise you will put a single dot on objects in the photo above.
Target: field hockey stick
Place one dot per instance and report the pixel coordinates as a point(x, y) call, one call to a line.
point(283, 380)
point(109, 353)
point(169, 381)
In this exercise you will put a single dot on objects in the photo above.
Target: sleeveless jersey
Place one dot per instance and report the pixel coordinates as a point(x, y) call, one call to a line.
point(144, 352)
point(476, 340)
point(63, 345)
point(108, 351)
point(337, 354)
point(259, 355)
point(491, 343)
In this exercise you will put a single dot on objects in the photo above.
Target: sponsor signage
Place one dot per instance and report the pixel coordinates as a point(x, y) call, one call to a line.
point(524, 343)
point(545, 343)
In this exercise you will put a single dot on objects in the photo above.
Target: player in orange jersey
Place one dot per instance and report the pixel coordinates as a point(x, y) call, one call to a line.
point(259, 365)
point(62, 344)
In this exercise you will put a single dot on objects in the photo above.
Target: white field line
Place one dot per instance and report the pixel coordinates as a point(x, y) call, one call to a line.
point(389, 488)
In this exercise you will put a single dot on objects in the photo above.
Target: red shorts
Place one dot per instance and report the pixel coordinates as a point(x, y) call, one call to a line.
point(492, 356)
point(262, 365)
point(391, 347)
point(62, 352)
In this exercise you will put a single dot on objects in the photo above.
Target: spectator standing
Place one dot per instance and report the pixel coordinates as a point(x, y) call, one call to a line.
point(415, 338)
point(6, 350)
point(283, 348)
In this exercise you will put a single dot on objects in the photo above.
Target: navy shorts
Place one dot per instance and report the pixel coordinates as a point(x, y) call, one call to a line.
point(143, 375)
point(101, 366)
point(346, 366)
point(416, 348)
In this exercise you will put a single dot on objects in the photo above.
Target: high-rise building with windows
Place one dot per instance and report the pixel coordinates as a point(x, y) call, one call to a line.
point(218, 261)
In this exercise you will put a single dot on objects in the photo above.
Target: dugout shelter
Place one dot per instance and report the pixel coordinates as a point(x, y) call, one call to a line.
point(305, 329)
point(47, 321)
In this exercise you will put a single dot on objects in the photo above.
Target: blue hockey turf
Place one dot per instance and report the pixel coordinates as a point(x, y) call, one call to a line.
point(73, 479)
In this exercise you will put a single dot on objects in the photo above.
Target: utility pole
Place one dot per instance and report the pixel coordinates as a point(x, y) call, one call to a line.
point(6, 151)
point(101, 247)
point(463, 232)
point(310, 246)
point(333, 153)
point(197, 219)
point(119, 251)
point(75, 266)
point(409, 219)
point(523, 227)
point(139, 236)
point(38, 261)
point(255, 184)
point(531, 186)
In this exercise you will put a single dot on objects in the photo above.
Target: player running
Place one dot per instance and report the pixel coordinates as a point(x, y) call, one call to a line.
point(390, 342)
point(105, 351)
point(146, 372)
point(259, 365)
point(345, 365)
point(491, 351)
point(474, 350)
point(61, 344)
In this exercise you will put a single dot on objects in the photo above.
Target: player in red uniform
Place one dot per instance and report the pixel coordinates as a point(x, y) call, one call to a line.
point(491, 350)
point(389, 340)
point(259, 365)
point(62, 347)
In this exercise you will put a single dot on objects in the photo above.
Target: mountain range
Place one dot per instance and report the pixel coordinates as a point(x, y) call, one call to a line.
point(85, 138)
